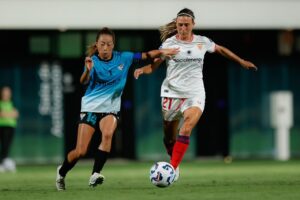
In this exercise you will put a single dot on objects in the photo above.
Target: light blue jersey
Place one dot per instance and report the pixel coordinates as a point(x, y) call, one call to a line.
point(107, 81)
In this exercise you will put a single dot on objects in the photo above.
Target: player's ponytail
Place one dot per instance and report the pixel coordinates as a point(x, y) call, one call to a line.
point(168, 30)
point(91, 50)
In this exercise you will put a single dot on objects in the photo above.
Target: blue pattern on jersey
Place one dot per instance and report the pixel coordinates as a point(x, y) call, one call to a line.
point(107, 81)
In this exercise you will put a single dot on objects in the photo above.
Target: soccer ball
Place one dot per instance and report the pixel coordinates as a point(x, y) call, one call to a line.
point(162, 174)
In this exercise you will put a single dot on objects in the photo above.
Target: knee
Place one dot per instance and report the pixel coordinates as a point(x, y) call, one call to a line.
point(80, 152)
point(186, 129)
point(107, 136)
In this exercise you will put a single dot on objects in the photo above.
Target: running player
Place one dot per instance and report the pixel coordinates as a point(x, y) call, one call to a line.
point(182, 91)
point(105, 72)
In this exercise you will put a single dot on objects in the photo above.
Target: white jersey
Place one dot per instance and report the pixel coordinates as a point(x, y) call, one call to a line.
point(184, 70)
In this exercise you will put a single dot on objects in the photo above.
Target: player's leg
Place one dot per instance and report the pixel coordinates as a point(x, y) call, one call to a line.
point(7, 134)
point(84, 135)
point(2, 149)
point(2, 144)
point(170, 134)
point(171, 116)
point(108, 125)
point(191, 117)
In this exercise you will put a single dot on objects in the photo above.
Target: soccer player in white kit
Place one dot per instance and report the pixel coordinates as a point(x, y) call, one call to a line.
point(182, 91)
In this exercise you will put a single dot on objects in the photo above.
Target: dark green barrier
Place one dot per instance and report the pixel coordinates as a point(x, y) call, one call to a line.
point(250, 129)
point(38, 95)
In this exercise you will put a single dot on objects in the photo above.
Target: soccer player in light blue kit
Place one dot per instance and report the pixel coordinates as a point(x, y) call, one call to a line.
point(105, 73)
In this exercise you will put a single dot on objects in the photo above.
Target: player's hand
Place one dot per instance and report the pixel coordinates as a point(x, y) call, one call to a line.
point(169, 53)
point(88, 63)
point(138, 72)
point(248, 65)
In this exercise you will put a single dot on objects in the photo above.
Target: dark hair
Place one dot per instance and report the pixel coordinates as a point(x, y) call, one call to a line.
point(91, 49)
point(186, 12)
point(169, 29)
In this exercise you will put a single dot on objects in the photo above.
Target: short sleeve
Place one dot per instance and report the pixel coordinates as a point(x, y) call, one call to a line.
point(165, 44)
point(210, 45)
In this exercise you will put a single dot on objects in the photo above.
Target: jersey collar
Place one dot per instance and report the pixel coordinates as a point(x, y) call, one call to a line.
point(112, 56)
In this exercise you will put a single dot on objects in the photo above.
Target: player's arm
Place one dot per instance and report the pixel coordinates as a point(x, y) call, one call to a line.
point(148, 69)
point(156, 57)
point(10, 114)
point(232, 56)
point(159, 53)
point(85, 77)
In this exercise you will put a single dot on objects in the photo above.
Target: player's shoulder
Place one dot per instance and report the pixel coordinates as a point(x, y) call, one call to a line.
point(123, 53)
point(94, 57)
point(202, 39)
point(170, 41)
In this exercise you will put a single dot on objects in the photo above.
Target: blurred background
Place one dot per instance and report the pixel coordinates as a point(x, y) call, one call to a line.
point(43, 47)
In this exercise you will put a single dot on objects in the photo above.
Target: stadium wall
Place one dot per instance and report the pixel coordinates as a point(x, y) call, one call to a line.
point(144, 14)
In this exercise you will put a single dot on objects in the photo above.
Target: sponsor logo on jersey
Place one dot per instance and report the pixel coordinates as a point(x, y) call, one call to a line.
point(106, 83)
point(197, 60)
point(120, 67)
point(200, 46)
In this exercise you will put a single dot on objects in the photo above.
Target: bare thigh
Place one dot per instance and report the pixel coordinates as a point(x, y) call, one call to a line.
point(108, 126)
point(191, 117)
point(84, 136)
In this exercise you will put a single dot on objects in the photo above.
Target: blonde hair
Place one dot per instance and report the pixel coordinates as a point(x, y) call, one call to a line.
point(92, 49)
point(170, 29)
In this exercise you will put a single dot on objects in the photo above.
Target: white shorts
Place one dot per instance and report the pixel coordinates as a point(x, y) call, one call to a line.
point(173, 108)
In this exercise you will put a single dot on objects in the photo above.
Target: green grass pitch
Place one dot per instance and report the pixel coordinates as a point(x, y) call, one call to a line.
point(201, 179)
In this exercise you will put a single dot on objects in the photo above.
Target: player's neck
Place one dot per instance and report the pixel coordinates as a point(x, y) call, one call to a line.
point(187, 38)
point(105, 58)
